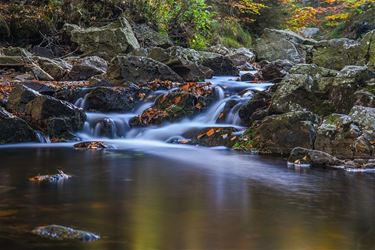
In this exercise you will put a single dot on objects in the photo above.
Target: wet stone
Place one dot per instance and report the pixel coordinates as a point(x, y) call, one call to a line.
point(57, 232)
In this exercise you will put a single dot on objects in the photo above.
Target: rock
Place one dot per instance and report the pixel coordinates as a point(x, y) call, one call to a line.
point(87, 67)
point(187, 63)
point(319, 90)
point(279, 134)
point(148, 37)
point(11, 61)
point(19, 98)
point(241, 56)
point(212, 137)
point(315, 158)
point(364, 98)
point(309, 32)
point(140, 70)
point(336, 136)
point(365, 117)
point(15, 51)
point(220, 65)
point(274, 71)
point(105, 99)
point(60, 176)
point(336, 53)
point(56, 232)
point(282, 44)
point(40, 74)
point(247, 77)
point(219, 49)
point(367, 50)
point(55, 68)
point(59, 119)
point(260, 100)
point(170, 107)
point(107, 41)
point(91, 145)
point(14, 129)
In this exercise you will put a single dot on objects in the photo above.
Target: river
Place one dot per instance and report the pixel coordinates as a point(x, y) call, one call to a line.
point(147, 194)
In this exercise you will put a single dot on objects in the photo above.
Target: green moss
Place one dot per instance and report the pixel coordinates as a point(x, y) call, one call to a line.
point(324, 108)
point(232, 34)
point(244, 145)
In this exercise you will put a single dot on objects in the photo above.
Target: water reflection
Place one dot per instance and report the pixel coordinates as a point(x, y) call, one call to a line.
point(183, 198)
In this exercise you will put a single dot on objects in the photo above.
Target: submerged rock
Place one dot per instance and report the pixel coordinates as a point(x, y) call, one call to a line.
point(91, 145)
point(57, 232)
point(212, 137)
point(315, 158)
point(61, 176)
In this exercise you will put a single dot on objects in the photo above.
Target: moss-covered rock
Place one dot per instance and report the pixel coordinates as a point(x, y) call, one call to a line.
point(336, 53)
point(279, 134)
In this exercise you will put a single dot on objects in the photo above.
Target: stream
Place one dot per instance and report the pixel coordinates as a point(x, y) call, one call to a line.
point(146, 193)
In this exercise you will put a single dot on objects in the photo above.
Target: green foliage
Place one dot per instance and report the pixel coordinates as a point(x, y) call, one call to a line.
point(187, 21)
point(232, 34)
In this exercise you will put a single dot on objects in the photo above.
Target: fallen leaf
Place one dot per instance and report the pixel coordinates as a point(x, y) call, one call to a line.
point(210, 132)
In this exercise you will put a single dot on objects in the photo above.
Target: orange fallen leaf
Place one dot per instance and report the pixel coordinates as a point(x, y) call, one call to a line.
point(210, 132)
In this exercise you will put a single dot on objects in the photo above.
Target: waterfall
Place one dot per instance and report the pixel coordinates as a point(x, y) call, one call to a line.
point(229, 94)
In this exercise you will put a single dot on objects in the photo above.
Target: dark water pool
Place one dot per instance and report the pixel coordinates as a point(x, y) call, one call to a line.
point(180, 198)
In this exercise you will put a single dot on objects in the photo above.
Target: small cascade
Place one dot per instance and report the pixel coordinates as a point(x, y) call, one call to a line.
point(230, 95)
point(42, 138)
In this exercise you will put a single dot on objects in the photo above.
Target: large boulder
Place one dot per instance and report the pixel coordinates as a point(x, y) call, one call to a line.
point(187, 63)
point(147, 37)
point(279, 134)
point(84, 68)
point(219, 64)
point(336, 135)
point(107, 41)
point(365, 117)
point(258, 102)
point(367, 50)
point(241, 56)
point(282, 44)
point(19, 98)
point(14, 129)
point(105, 99)
point(336, 53)
point(320, 90)
point(58, 119)
point(140, 69)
